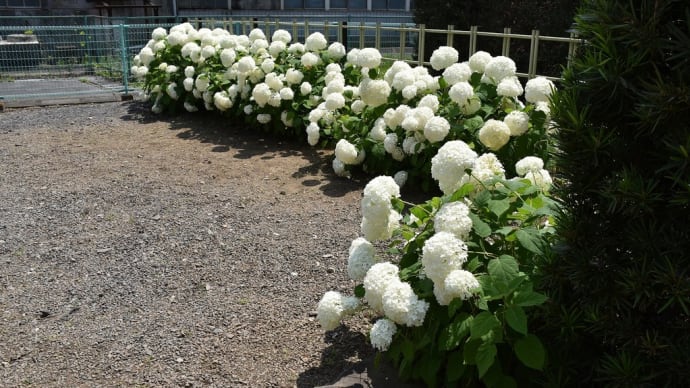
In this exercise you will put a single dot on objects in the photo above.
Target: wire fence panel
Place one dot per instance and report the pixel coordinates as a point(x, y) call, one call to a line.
point(96, 57)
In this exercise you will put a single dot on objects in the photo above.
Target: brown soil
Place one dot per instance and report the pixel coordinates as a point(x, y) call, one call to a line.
point(142, 250)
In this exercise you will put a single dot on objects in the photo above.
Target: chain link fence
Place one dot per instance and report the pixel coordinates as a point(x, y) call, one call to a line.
point(49, 63)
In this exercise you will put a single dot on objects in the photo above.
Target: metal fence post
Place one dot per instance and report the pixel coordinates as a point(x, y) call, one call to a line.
point(123, 51)
point(506, 42)
point(420, 45)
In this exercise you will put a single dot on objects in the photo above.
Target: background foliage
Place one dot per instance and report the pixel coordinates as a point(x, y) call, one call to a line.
point(619, 288)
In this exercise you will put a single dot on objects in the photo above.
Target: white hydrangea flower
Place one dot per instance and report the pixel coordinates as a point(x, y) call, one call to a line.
point(276, 47)
point(382, 333)
point(378, 131)
point(336, 51)
point(457, 72)
point(177, 38)
point(263, 118)
point(529, 164)
point(189, 71)
point(146, 56)
point(368, 57)
point(449, 164)
point(479, 60)
point(436, 129)
point(543, 106)
point(442, 253)
point(430, 101)
point(509, 87)
point(486, 167)
point(336, 85)
point(357, 106)
point(362, 255)
point(313, 133)
point(539, 89)
point(402, 306)
point(541, 179)
point(286, 94)
point(340, 169)
point(171, 90)
point(409, 92)
point(374, 92)
point(201, 82)
point(494, 134)
point(261, 94)
point(461, 92)
point(255, 34)
point(268, 65)
point(281, 36)
point(332, 307)
point(458, 284)
point(293, 76)
point(396, 67)
point(305, 88)
point(400, 178)
point(222, 101)
point(390, 142)
point(315, 42)
point(163, 66)
point(296, 48)
point(376, 198)
point(309, 59)
point(335, 101)
point(248, 109)
point(273, 81)
point(284, 118)
point(171, 69)
point(190, 107)
point(453, 217)
point(246, 64)
point(346, 151)
point(208, 52)
point(517, 121)
point(443, 57)
point(499, 68)
point(410, 145)
point(378, 277)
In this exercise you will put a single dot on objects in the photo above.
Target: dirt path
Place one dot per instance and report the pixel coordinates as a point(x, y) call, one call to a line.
point(146, 251)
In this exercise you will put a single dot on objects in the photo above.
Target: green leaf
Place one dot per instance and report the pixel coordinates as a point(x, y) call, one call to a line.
point(483, 323)
point(498, 207)
point(474, 123)
point(456, 332)
point(529, 241)
point(359, 290)
point(503, 269)
point(469, 351)
point(480, 227)
point(486, 354)
point(528, 298)
point(455, 368)
point(517, 319)
point(530, 351)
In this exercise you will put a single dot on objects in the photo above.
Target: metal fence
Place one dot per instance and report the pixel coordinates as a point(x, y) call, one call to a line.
point(86, 60)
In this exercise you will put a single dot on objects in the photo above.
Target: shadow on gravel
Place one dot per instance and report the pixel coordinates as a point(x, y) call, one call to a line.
point(247, 143)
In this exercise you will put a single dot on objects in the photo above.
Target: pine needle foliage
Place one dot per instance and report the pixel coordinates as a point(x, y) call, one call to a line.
point(619, 285)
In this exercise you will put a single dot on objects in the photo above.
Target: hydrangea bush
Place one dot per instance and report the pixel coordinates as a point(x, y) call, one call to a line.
point(454, 303)
point(383, 117)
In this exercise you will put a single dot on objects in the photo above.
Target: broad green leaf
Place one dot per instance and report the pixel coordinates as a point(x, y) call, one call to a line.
point(455, 368)
point(407, 348)
point(498, 207)
point(506, 230)
point(454, 306)
point(483, 323)
point(530, 351)
point(486, 354)
point(480, 227)
point(528, 241)
point(517, 319)
point(469, 351)
point(528, 298)
point(504, 268)
point(456, 332)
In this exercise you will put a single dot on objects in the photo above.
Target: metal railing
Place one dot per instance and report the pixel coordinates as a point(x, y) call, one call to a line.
point(99, 55)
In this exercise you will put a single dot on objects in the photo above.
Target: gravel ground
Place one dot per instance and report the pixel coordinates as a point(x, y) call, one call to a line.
point(141, 250)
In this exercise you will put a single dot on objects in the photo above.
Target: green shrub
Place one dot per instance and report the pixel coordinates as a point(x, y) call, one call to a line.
point(619, 288)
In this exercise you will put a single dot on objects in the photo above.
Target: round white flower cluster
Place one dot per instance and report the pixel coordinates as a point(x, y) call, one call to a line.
point(387, 294)
point(539, 89)
point(443, 255)
point(494, 134)
point(382, 333)
point(443, 57)
point(332, 307)
point(379, 219)
point(369, 58)
point(449, 164)
point(374, 92)
point(347, 153)
point(362, 255)
point(453, 217)
point(532, 168)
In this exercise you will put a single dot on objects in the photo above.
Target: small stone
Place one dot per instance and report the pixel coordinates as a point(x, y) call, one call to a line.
point(330, 270)
point(179, 359)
